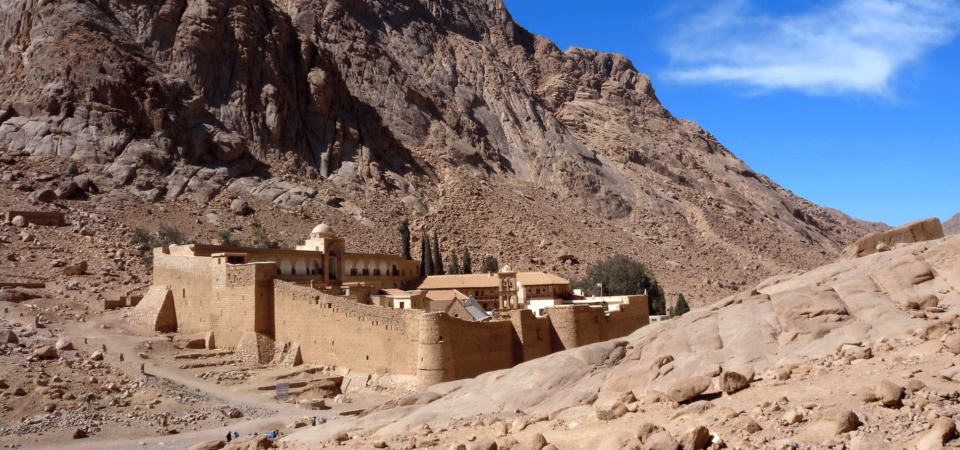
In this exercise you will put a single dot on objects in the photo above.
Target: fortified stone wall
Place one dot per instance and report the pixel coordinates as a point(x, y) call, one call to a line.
point(532, 336)
point(579, 325)
point(189, 280)
point(469, 349)
point(242, 302)
point(337, 332)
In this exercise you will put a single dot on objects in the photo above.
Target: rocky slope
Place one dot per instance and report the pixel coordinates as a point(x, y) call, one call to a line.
point(952, 226)
point(858, 354)
point(367, 112)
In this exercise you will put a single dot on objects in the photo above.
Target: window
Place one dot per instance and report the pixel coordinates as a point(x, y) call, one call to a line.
point(353, 272)
point(366, 272)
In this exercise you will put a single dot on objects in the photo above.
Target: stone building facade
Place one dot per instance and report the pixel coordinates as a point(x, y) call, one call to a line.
point(324, 306)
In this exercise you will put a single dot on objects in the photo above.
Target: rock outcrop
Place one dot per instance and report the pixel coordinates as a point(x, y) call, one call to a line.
point(919, 231)
point(952, 225)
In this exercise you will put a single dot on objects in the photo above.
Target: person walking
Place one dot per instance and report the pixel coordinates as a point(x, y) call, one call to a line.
point(229, 436)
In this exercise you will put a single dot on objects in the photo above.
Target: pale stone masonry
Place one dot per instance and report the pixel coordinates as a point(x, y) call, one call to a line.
point(320, 305)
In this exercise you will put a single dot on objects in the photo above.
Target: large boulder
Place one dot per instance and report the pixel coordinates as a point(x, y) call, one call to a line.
point(44, 196)
point(688, 388)
point(731, 382)
point(889, 394)
point(8, 337)
point(66, 189)
point(75, 269)
point(695, 438)
point(661, 441)
point(919, 231)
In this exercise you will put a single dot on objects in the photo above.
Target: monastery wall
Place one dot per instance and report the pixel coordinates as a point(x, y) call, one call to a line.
point(242, 302)
point(189, 280)
point(631, 317)
point(337, 332)
point(532, 336)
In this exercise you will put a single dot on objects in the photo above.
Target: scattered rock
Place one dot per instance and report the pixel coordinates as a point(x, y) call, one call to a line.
point(75, 269)
point(19, 221)
point(46, 351)
point(661, 440)
point(731, 382)
point(44, 196)
point(746, 423)
point(943, 430)
point(239, 206)
point(695, 438)
point(889, 394)
point(688, 388)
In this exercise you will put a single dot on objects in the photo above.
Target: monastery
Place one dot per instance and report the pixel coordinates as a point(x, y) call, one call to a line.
point(320, 305)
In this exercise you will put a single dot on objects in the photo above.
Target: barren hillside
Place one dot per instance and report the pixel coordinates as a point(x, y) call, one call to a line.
point(952, 226)
point(363, 113)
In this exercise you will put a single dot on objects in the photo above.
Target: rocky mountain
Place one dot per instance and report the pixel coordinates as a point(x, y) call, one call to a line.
point(362, 113)
point(952, 226)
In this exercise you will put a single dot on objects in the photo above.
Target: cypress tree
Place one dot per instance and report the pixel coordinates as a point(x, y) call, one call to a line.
point(489, 265)
point(423, 255)
point(681, 307)
point(452, 269)
point(405, 240)
point(465, 265)
point(427, 260)
point(437, 258)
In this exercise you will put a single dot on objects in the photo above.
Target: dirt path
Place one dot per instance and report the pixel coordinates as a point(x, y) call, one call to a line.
point(118, 339)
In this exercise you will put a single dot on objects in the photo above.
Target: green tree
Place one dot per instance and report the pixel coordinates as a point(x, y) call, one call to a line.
point(681, 307)
point(145, 243)
point(437, 258)
point(167, 236)
point(226, 238)
point(427, 258)
point(452, 269)
point(622, 276)
point(465, 266)
point(405, 240)
point(260, 237)
point(489, 265)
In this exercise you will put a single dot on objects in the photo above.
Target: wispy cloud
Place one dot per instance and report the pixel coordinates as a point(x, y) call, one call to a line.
point(850, 45)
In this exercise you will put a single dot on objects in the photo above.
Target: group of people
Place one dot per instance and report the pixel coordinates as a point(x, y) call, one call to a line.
point(231, 435)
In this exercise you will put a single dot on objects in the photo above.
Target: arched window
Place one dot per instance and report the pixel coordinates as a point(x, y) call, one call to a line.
point(301, 268)
point(286, 267)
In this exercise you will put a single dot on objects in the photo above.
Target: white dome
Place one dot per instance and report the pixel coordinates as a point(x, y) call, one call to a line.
point(506, 269)
point(322, 228)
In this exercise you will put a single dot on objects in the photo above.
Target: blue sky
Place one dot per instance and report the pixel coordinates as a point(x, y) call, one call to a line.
point(852, 104)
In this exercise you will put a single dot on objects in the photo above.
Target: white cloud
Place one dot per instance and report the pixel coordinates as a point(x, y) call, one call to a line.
point(850, 45)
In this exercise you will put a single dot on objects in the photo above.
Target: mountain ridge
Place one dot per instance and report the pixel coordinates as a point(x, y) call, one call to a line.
point(364, 113)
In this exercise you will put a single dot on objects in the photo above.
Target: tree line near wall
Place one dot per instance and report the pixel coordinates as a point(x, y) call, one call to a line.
point(618, 275)
point(431, 257)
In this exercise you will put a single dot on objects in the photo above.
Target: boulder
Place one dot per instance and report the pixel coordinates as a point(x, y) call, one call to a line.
point(688, 388)
point(747, 424)
point(44, 196)
point(75, 269)
point(192, 341)
point(661, 440)
point(942, 431)
point(695, 438)
point(837, 420)
point(535, 442)
point(485, 444)
point(919, 231)
point(96, 356)
point(952, 343)
point(239, 206)
point(731, 382)
point(646, 430)
point(19, 221)
point(27, 236)
point(66, 189)
point(652, 397)
point(868, 395)
point(46, 351)
point(889, 394)
point(64, 345)
point(8, 337)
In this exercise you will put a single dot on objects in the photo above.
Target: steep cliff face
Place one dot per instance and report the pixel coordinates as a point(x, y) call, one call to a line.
point(448, 113)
